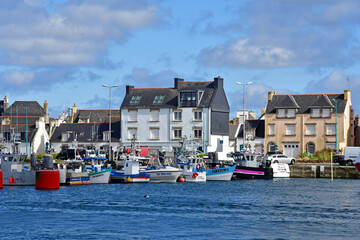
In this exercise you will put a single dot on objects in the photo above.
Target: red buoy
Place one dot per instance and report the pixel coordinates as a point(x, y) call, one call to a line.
point(181, 179)
point(1, 179)
point(47, 179)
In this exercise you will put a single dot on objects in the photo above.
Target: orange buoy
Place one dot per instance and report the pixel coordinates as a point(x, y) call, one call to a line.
point(47, 179)
point(1, 179)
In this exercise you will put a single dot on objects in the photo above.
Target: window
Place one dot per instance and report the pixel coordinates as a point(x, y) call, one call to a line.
point(177, 133)
point(323, 113)
point(271, 129)
point(197, 115)
point(188, 99)
point(154, 115)
point(310, 129)
point(281, 113)
point(64, 137)
point(286, 113)
point(290, 130)
point(330, 129)
point(132, 133)
point(177, 115)
point(154, 133)
point(135, 99)
point(315, 113)
point(159, 99)
point(290, 113)
point(197, 133)
point(330, 145)
point(132, 115)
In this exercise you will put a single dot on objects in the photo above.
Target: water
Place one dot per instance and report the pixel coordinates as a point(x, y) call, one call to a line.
point(257, 209)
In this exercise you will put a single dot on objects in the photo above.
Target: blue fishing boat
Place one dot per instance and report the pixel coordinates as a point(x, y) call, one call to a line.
point(219, 172)
point(130, 173)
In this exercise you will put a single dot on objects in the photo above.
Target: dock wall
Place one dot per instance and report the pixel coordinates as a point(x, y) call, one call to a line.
point(323, 171)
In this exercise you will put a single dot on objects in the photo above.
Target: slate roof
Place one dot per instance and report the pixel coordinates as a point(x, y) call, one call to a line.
point(18, 109)
point(171, 95)
point(257, 124)
point(307, 101)
point(97, 115)
point(83, 131)
point(232, 131)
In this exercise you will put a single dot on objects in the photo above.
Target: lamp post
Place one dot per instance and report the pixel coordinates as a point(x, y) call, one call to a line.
point(26, 131)
point(244, 84)
point(110, 87)
point(336, 144)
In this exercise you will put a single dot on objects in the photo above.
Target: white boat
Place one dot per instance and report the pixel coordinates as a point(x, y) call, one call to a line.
point(98, 172)
point(193, 169)
point(280, 170)
point(14, 171)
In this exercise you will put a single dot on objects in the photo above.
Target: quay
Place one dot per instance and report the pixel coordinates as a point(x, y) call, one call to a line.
point(323, 171)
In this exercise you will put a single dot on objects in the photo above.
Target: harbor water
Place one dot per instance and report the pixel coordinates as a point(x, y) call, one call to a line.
point(255, 209)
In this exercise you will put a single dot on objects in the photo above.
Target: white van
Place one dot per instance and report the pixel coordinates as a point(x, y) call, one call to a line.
point(349, 157)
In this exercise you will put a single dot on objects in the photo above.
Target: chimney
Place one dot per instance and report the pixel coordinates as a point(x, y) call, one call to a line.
point(128, 89)
point(177, 82)
point(347, 95)
point(219, 82)
point(6, 103)
point(46, 112)
point(74, 110)
point(271, 94)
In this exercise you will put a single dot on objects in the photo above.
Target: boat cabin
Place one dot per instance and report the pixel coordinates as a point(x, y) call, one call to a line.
point(248, 159)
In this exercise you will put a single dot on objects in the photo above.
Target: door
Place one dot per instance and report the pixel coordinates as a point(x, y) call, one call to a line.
point(291, 150)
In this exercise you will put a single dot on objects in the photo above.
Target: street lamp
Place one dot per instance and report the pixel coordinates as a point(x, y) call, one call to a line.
point(244, 84)
point(110, 87)
point(336, 145)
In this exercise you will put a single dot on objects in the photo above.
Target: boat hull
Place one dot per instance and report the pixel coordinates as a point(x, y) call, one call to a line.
point(101, 177)
point(77, 178)
point(280, 170)
point(25, 178)
point(164, 175)
point(120, 177)
point(201, 177)
point(220, 174)
point(242, 172)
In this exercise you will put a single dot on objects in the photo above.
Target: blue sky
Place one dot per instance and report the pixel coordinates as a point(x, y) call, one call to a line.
point(63, 51)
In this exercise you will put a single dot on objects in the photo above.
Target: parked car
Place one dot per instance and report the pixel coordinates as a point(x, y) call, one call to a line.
point(349, 156)
point(278, 158)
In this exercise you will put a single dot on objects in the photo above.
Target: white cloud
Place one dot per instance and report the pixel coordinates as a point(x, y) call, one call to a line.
point(279, 33)
point(17, 78)
point(75, 33)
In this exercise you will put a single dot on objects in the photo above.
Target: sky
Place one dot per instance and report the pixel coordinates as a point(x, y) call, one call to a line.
point(63, 51)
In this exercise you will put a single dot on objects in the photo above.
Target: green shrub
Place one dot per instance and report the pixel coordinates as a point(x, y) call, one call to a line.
point(303, 155)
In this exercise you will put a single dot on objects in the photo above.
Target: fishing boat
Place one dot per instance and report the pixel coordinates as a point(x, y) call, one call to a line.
point(249, 166)
point(73, 172)
point(130, 172)
point(219, 172)
point(15, 173)
point(98, 172)
point(161, 172)
point(193, 168)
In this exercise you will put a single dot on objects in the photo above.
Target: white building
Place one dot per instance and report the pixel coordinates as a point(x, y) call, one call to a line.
point(196, 113)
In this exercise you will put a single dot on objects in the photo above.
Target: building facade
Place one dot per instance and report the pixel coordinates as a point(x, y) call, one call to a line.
point(195, 113)
point(308, 123)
